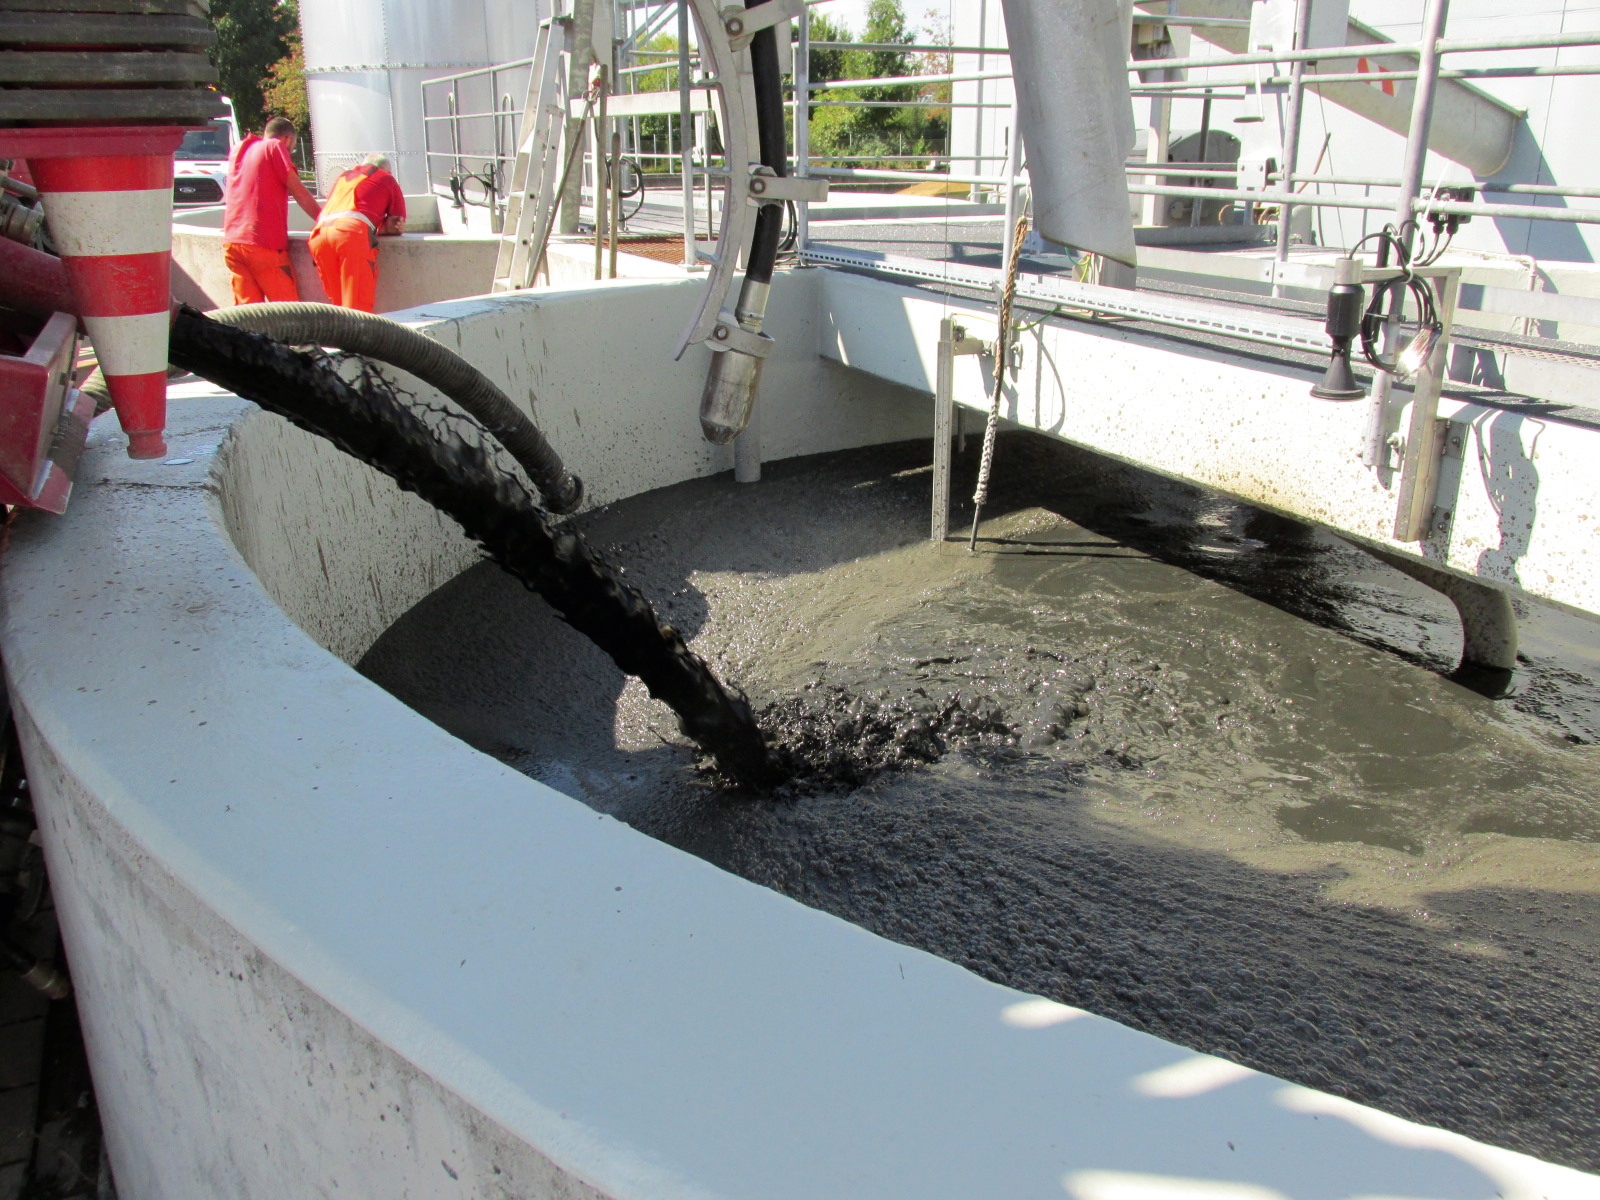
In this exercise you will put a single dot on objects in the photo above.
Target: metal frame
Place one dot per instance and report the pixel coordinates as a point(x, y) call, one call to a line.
point(532, 203)
point(1053, 291)
point(953, 341)
point(1424, 438)
point(1429, 50)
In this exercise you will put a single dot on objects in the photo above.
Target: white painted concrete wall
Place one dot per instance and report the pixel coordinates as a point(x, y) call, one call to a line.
point(414, 268)
point(345, 553)
point(324, 948)
point(1523, 500)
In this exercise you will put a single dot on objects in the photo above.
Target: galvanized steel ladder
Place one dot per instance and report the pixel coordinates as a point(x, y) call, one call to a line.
point(532, 202)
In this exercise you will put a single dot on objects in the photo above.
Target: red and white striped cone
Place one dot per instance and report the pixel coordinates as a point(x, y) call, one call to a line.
point(111, 217)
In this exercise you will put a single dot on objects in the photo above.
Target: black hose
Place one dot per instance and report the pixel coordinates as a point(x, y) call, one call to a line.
point(773, 133)
point(388, 341)
point(460, 479)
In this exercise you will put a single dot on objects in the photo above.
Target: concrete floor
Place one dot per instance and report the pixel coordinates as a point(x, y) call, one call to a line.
point(22, 1021)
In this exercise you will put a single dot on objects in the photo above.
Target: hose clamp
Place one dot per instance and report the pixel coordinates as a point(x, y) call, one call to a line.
point(742, 24)
point(766, 186)
point(728, 334)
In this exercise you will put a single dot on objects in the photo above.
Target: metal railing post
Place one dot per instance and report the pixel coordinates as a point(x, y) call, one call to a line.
point(1013, 165)
point(1196, 205)
point(691, 254)
point(944, 403)
point(1158, 128)
point(1291, 132)
point(802, 126)
point(1375, 449)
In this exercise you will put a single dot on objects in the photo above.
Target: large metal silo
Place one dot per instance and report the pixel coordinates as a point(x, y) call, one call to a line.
point(366, 60)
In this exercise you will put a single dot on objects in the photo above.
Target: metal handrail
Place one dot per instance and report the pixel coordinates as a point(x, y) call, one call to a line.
point(1386, 76)
point(1538, 41)
point(477, 72)
point(1205, 176)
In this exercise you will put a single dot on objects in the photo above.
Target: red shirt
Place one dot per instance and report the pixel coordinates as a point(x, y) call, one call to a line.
point(368, 190)
point(255, 204)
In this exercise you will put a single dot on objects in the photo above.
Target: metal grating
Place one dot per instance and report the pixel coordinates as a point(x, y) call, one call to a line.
point(1057, 292)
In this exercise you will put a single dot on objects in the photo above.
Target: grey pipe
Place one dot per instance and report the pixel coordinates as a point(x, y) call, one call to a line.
point(300, 323)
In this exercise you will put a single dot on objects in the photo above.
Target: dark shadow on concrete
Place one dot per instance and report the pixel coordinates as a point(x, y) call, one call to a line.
point(1512, 481)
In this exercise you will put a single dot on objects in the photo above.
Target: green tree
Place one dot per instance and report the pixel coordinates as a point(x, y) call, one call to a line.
point(828, 64)
point(886, 24)
point(896, 125)
point(663, 49)
point(252, 35)
point(285, 91)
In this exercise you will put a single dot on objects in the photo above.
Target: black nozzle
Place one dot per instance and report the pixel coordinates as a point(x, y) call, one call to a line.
point(1339, 381)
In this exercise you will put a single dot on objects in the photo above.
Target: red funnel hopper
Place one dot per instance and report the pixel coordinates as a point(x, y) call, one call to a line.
point(108, 198)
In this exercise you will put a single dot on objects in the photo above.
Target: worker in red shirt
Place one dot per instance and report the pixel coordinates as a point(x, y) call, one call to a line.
point(255, 214)
point(365, 202)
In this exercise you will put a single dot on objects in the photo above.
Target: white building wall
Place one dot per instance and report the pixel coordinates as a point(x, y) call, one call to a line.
point(366, 61)
point(980, 136)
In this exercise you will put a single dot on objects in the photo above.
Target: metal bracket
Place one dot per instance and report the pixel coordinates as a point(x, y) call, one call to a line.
point(1454, 444)
point(730, 75)
point(1439, 523)
point(961, 343)
point(728, 334)
point(764, 186)
point(955, 339)
point(1426, 434)
point(742, 24)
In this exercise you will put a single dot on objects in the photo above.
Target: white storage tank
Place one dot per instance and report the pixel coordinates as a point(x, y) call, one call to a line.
point(366, 60)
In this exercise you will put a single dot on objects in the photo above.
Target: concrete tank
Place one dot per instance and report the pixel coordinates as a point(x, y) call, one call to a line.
point(366, 60)
point(317, 939)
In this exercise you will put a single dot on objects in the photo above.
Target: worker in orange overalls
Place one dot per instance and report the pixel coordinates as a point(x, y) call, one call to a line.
point(365, 202)
point(255, 214)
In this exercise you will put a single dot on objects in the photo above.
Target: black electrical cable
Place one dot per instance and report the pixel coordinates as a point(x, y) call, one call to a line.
point(485, 179)
point(1388, 293)
point(791, 230)
point(1441, 243)
point(629, 168)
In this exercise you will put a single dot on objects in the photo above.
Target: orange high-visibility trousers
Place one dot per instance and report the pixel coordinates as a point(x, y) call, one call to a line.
point(259, 274)
point(345, 250)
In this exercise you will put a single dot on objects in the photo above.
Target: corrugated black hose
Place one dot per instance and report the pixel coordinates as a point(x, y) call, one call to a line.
point(460, 478)
point(385, 340)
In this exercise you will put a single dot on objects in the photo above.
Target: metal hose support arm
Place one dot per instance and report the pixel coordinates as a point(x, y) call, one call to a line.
point(388, 341)
point(735, 375)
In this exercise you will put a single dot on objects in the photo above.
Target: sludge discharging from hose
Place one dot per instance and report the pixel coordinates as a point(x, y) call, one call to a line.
point(462, 480)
